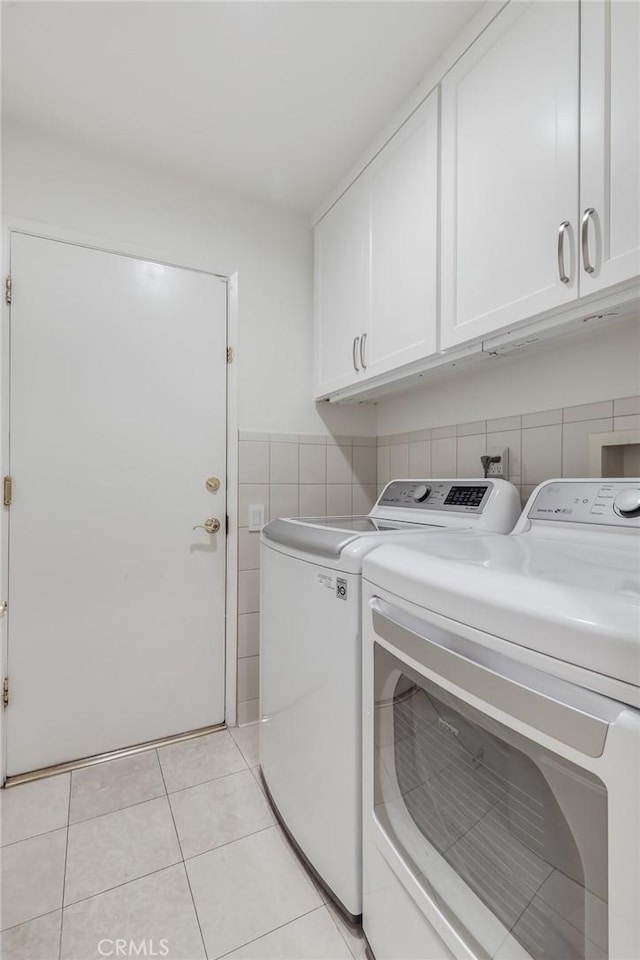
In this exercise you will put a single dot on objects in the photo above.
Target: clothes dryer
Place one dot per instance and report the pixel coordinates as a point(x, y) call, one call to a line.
point(501, 760)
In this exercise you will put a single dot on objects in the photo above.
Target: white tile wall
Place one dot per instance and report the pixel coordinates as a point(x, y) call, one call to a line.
point(292, 475)
point(284, 463)
point(631, 422)
point(468, 453)
point(248, 635)
point(339, 499)
point(542, 419)
point(313, 500)
point(253, 462)
point(314, 475)
point(626, 405)
point(420, 458)
point(443, 457)
point(313, 463)
point(399, 459)
point(364, 497)
point(575, 444)
point(284, 500)
point(541, 453)
point(339, 464)
point(365, 464)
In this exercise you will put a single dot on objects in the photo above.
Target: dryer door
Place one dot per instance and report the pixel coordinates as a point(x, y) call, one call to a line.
point(508, 839)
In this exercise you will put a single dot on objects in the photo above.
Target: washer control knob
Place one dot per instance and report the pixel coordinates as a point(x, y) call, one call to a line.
point(627, 503)
point(422, 491)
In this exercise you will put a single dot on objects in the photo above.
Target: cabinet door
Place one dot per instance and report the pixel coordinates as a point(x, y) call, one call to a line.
point(610, 143)
point(404, 243)
point(510, 171)
point(341, 241)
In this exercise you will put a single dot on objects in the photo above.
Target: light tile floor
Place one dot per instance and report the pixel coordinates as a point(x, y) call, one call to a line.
point(176, 847)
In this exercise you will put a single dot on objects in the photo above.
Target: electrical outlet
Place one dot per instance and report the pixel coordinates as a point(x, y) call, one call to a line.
point(501, 467)
point(255, 518)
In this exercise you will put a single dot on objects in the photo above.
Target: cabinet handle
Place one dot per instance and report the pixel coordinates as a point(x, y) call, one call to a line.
point(354, 353)
point(586, 260)
point(363, 339)
point(564, 226)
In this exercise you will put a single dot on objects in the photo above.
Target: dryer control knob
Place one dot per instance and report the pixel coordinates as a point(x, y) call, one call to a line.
point(421, 493)
point(627, 503)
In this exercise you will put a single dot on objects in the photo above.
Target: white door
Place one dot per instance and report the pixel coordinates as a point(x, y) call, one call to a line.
point(404, 245)
point(118, 416)
point(341, 249)
point(610, 144)
point(510, 171)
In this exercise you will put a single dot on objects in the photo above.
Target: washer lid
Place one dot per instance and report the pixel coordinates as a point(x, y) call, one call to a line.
point(577, 602)
point(328, 536)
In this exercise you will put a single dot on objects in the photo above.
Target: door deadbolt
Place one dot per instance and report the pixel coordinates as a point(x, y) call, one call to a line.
point(211, 525)
point(212, 484)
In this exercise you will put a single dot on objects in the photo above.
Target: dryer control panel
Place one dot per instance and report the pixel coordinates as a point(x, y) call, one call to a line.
point(614, 502)
point(445, 496)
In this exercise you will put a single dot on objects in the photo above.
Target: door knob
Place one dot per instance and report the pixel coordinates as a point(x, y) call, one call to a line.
point(211, 525)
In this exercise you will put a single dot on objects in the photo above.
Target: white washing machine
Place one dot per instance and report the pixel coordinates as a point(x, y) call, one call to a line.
point(501, 736)
point(311, 658)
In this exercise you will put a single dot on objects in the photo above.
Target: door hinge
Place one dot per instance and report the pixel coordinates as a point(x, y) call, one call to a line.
point(8, 491)
point(229, 354)
point(5, 692)
point(7, 289)
point(3, 608)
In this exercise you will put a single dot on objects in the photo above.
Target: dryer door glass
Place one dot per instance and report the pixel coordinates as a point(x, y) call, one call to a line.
point(508, 839)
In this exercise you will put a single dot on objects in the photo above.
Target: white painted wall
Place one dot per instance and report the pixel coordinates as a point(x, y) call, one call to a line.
point(132, 209)
point(587, 367)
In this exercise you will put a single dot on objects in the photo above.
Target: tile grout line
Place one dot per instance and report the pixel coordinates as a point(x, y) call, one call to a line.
point(184, 865)
point(99, 893)
point(201, 783)
point(338, 928)
point(64, 874)
point(280, 926)
point(33, 836)
point(14, 926)
point(227, 843)
point(107, 813)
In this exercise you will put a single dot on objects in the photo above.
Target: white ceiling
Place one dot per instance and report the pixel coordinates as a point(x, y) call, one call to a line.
point(274, 100)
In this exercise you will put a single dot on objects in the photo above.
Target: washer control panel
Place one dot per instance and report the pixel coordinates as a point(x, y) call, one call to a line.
point(448, 496)
point(615, 503)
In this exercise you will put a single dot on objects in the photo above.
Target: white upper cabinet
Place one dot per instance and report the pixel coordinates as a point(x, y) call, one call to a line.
point(376, 257)
point(510, 197)
point(404, 245)
point(510, 142)
point(341, 242)
point(610, 144)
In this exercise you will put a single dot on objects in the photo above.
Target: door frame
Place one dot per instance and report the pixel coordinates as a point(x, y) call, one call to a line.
point(12, 225)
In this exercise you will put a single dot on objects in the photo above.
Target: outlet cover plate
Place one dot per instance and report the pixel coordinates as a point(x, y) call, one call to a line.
point(500, 469)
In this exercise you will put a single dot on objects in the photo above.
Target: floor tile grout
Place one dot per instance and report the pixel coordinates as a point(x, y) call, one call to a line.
point(14, 926)
point(211, 780)
point(337, 926)
point(64, 872)
point(229, 842)
point(106, 813)
point(184, 865)
point(117, 886)
point(66, 920)
point(195, 909)
point(33, 836)
point(280, 926)
point(130, 806)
